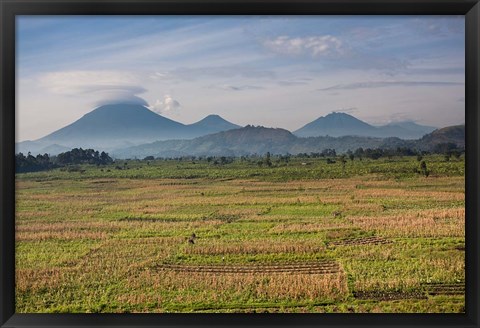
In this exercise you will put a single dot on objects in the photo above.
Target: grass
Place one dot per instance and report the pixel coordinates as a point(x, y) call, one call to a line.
point(95, 241)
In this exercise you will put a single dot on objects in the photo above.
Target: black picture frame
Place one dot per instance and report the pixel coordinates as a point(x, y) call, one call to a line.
point(10, 8)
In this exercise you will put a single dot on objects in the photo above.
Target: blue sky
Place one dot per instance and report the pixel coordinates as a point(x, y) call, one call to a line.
point(281, 71)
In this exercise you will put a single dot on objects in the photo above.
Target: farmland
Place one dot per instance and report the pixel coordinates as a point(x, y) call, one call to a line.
point(305, 235)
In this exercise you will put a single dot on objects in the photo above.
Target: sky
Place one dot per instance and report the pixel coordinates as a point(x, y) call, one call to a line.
point(274, 71)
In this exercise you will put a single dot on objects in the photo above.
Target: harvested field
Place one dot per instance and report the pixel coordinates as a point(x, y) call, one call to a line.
point(280, 239)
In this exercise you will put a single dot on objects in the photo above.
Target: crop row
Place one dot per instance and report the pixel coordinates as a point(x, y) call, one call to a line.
point(360, 241)
point(323, 267)
point(445, 289)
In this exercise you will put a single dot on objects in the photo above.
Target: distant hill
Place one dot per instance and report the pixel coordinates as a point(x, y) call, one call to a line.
point(259, 140)
point(245, 141)
point(448, 135)
point(121, 125)
point(451, 134)
point(342, 124)
point(412, 126)
point(236, 142)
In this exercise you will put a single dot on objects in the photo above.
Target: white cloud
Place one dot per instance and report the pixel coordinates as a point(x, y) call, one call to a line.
point(383, 84)
point(102, 87)
point(75, 82)
point(192, 73)
point(160, 76)
point(108, 98)
point(439, 26)
point(167, 105)
point(316, 46)
point(229, 87)
point(349, 110)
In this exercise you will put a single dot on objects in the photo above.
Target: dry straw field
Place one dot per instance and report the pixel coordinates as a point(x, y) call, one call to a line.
point(375, 236)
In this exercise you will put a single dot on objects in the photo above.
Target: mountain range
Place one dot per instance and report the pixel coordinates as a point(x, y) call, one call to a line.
point(342, 124)
point(126, 130)
point(259, 140)
point(121, 125)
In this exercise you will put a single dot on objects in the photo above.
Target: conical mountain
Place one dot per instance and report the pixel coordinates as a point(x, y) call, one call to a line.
point(336, 125)
point(213, 124)
point(117, 124)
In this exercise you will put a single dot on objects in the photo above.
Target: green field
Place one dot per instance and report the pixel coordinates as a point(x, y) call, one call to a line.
point(299, 236)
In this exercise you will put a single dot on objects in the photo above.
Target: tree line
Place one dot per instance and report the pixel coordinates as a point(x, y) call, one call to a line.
point(76, 156)
point(448, 149)
point(30, 163)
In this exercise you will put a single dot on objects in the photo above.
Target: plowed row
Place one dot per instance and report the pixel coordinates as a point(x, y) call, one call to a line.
point(431, 289)
point(323, 267)
point(360, 241)
point(445, 289)
point(388, 296)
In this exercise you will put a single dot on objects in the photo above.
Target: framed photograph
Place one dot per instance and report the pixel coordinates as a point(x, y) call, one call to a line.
point(209, 163)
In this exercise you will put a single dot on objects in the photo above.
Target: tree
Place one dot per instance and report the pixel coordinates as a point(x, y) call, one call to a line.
point(105, 159)
point(444, 148)
point(350, 155)
point(373, 153)
point(83, 156)
point(31, 163)
point(343, 159)
point(328, 153)
point(75, 156)
point(423, 168)
point(359, 153)
point(268, 160)
point(456, 153)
